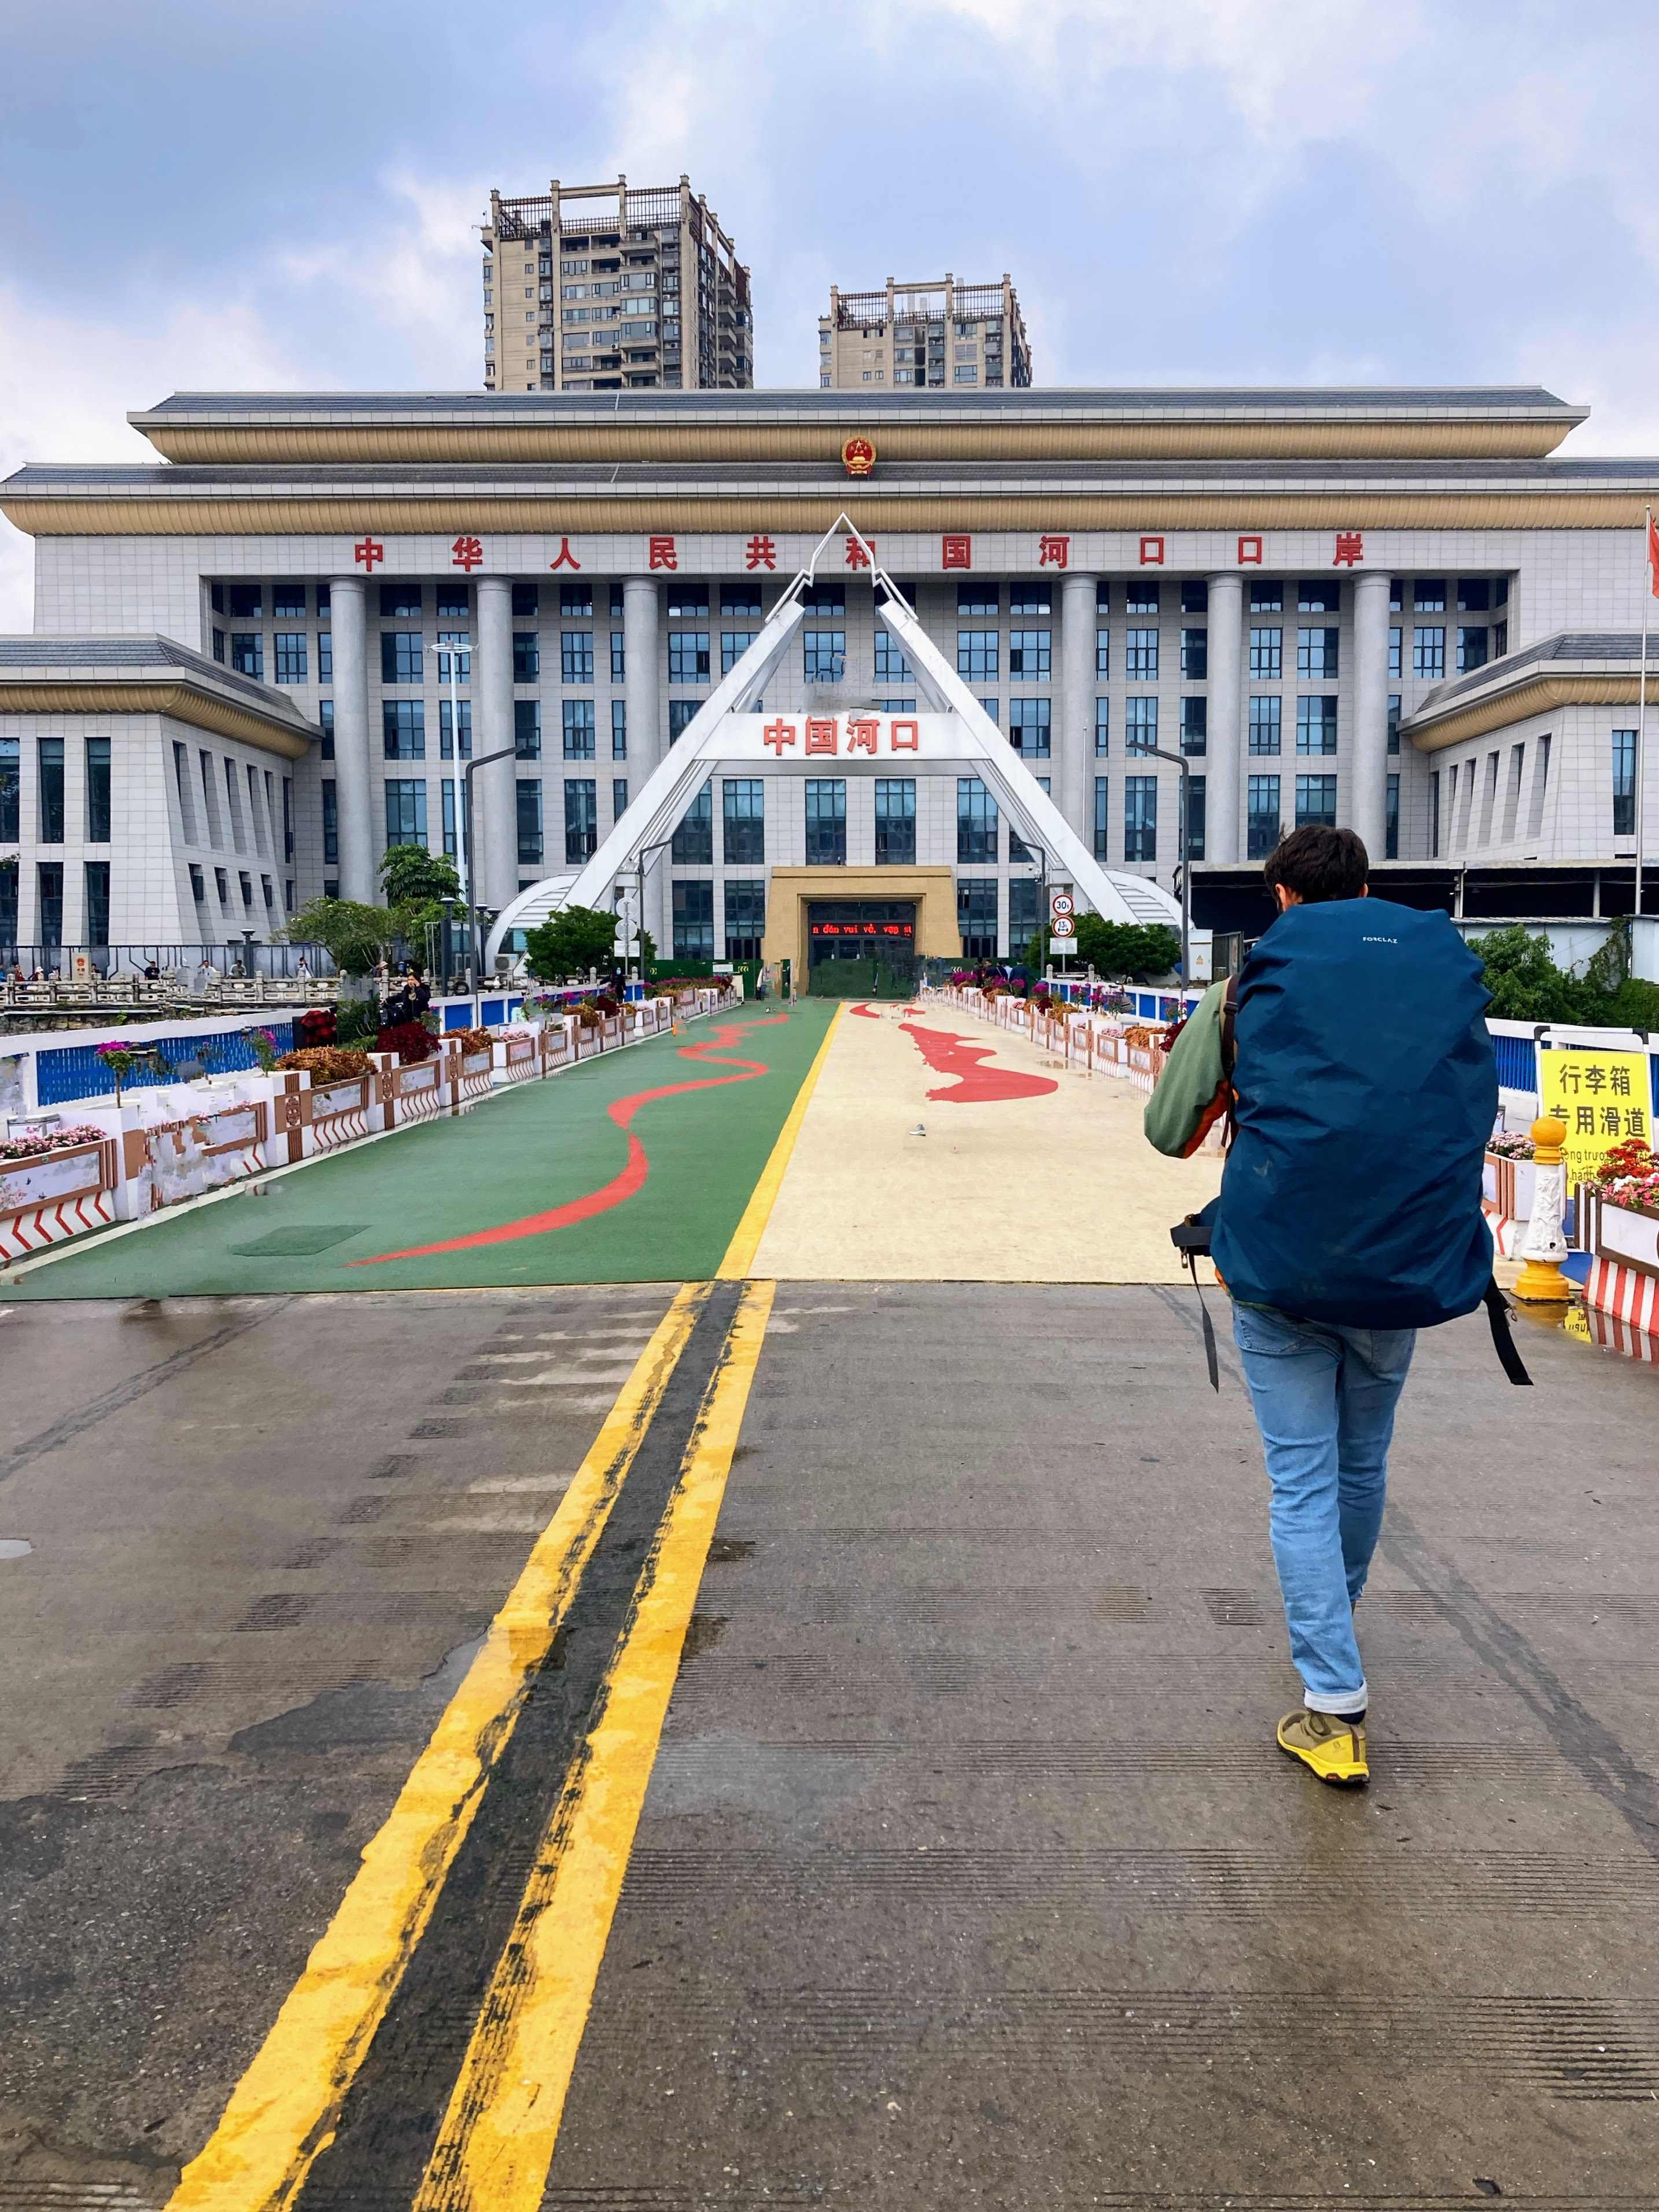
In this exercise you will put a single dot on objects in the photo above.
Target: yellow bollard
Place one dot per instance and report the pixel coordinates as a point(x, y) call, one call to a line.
point(1540, 1281)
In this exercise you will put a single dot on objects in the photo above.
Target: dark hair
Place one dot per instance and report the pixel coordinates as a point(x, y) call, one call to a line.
point(1319, 863)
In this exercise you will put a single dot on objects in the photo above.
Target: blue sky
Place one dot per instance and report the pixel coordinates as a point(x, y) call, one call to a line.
point(1186, 191)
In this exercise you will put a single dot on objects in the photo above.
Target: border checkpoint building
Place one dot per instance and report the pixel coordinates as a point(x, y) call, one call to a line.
point(1405, 610)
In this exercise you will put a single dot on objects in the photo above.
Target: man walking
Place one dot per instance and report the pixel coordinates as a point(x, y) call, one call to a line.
point(1354, 1054)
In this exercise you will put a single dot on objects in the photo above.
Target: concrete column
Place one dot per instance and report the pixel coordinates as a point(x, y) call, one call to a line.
point(356, 797)
point(495, 821)
point(1225, 749)
point(1367, 811)
point(1073, 767)
point(642, 692)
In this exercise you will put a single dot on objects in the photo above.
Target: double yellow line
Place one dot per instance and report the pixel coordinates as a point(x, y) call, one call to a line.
point(505, 2109)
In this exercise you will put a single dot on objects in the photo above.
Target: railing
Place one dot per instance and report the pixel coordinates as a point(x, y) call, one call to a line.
point(118, 960)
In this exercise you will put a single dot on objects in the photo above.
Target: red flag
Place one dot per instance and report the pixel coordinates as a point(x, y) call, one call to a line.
point(1653, 556)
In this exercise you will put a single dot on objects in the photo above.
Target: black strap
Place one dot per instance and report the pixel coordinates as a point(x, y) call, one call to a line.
point(1498, 1314)
point(1190, 1262)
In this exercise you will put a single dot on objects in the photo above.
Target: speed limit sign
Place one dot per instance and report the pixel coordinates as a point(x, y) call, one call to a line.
point(1062, 916)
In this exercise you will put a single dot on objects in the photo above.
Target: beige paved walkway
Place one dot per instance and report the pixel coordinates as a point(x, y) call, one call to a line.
point(1058, 1188)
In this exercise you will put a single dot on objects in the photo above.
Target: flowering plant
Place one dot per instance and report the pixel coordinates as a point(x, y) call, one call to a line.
point(471, 1041)
point(1510, 1145)
point(327, 1063)
point(58, 1140)
point(120, 1057)
point(264, 1048)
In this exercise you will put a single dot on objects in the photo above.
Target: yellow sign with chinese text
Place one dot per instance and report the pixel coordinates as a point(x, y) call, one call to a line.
point(1603, 1098)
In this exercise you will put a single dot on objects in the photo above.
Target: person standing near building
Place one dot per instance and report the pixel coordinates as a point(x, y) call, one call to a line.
point(1353, 1053)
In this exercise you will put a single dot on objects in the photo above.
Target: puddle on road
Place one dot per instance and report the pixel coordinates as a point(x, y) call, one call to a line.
point(1588, 1325)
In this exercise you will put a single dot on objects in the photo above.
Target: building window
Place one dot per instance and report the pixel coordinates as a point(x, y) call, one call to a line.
point(1140, 817)
point(682, 713)
point(1030, 598)
point(218, 647)
point(526, 656)
point(688, 656)
point(1140, 597)
point(403, 729)
point(97, 888)
point(826, 822)
point(1029, 653)
point(619, 656)
point(746, 916)
point(1024, 913)
point(325, 656)
point(1266, 596)
point(688, 599)
point(331, 820)
point(895, 821)
point(693, 920)
point(978, 598)
point(1317, 801)
point(1395, 663)
point(446, 728)
point(1195, 655)
point(1261, 816)
point(402, 661)
point(405, 811)
point(288, 818)
point(1197, 792)
point(1103, 652)
point(197, 885)
point(1266, 654)
point(742, 807)
point(1393, 721)
point(399, 597)
point(693, 841)
point(526, 728)
point(11, 790)
point(1264, 725)
point(1472, 644)
point(1102, 849)
point(326, 724)
point(1194, 598)
point(976, 822)
point(1429, 595)
point(50, 759)
point(891, 667)
point(1316, 652)
point(289, 656)
point(1102, 726)
point(740, 598)
point(1194, 724)
point(618, 729)
point(580, 819)
point(222, 885)
point(526, 597)
point(247, 652)
point(1028, 728)
point(97, 795)
point(1316, 724)
point(977, 655)
point(1429, 651)
point(976, 916)
point(454, 600)
point(580, 731)
point(1140, 656)
point(1140, 722)
point(1624, 783)
point(734, 643)
point(49, 885)
point(1391, 821)
point(577, 656)
point(824, 655)
point(618, 796)
point(576, 598)
point(246, 602)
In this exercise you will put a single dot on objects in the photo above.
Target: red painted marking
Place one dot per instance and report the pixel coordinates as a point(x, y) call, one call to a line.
point(974, 1086)
point(868, 1012)
point(706, 1051)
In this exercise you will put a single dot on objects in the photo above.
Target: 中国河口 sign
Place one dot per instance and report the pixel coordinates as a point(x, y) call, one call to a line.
point(880, 744)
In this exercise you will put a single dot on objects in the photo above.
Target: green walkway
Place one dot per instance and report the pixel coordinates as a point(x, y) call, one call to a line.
point(538, 1148)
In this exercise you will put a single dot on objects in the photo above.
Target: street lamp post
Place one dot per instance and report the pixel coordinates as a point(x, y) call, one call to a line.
point(463, 843)
point(1158, 752)
point(640, 859)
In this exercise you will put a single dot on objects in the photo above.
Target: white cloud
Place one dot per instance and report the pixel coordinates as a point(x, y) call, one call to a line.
point(416, 268)
point(66, 385)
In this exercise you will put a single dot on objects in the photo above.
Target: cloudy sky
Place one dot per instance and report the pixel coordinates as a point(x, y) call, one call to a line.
point(1186, 191)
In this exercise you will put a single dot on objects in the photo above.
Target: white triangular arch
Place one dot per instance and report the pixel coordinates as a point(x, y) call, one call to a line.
point(954, 737)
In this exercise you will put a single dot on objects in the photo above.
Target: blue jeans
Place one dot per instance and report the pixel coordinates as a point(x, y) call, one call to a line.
point(1324, 1398)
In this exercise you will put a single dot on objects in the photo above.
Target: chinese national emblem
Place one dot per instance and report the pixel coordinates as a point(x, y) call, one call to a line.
point(858, 456)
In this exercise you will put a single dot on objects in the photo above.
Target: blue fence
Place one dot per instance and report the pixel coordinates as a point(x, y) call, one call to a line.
point(75, 1071)
point(1517, 1067)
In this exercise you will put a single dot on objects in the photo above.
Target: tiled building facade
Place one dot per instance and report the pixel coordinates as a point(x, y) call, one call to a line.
point(1337, 606)
point(942, 335)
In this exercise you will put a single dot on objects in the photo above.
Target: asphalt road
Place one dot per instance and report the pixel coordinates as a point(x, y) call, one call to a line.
point(966, 1873)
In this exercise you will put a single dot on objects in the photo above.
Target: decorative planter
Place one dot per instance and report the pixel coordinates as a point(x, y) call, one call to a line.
point(203, 1151)
point(416, 1091)
point(56, 1195)
point(469, 1078)
point(339, 1115)
point(1506, 1200)
point(516, 1057)
point(1623, 1273)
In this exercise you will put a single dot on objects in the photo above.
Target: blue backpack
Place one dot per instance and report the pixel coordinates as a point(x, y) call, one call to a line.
point(1366, 1088)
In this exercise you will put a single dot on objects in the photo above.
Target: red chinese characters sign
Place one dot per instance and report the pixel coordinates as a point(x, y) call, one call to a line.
point(837, 736)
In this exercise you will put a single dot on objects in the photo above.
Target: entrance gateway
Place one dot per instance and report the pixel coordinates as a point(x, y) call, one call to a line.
point(861, 948)
point(950, 735)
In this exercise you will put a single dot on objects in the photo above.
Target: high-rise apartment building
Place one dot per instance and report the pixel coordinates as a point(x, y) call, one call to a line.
point(942, 334)
point(599, 287)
